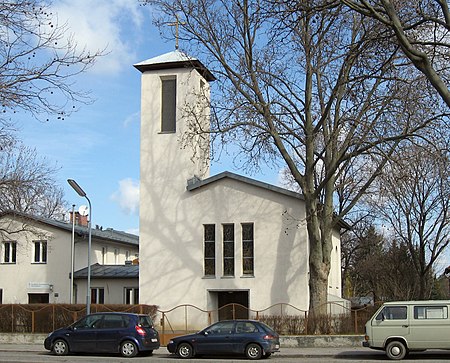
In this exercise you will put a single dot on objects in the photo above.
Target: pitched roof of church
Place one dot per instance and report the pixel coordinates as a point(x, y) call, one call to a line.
point(174, 59)
point(196, 183)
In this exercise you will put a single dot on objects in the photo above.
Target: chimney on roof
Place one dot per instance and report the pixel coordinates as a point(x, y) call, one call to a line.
point(79, 219)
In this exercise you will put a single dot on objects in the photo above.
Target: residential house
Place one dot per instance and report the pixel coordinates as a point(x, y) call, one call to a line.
point(36, 261)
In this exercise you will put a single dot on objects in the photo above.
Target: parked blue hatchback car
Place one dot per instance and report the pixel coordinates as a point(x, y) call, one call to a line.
point(251, 338)
point(124, 333)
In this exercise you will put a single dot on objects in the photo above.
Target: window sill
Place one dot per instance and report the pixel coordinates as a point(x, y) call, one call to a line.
point(248, 276)
point(209, 277)
point(228, 277)
point(8, 263)
point(38, 263)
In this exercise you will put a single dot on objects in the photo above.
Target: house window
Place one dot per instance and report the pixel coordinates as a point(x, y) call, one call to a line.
point(168, 105)
point(116, 256)
point(9, 252)
point(40, 251)
point(247, 249)
point(131, 295)
point(228, 249)
point(98, 295)
point(38, 298)
point(210, 249)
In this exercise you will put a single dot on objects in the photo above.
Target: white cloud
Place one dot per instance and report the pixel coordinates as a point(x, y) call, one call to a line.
point(127, 196)
point(100, 24)
point(133, 118)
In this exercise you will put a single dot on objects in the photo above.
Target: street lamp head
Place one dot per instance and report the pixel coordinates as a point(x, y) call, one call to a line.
point(76, 187)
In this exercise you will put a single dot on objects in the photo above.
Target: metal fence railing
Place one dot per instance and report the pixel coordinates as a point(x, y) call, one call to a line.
point(284, 318)
point(44, 318)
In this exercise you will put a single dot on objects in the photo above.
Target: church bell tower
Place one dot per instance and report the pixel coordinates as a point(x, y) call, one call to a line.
point(174, 101)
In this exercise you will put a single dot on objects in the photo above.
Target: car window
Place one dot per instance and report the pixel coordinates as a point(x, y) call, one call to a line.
point(221, 328)
point(145, 321)
point(267, 328)
point(115, 321)
point(246, 327)
point(88, 322)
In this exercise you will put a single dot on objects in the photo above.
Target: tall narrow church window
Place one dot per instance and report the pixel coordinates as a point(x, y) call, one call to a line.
point(210, 249)
point(247, 249)
point(228, 249)
point(168, 105)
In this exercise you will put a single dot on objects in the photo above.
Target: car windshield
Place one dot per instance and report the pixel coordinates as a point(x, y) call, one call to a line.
point(145, 321)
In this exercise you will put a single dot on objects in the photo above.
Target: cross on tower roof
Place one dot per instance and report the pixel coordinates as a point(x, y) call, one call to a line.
point(176, 24)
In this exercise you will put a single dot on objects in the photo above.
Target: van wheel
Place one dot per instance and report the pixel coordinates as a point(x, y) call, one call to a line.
point(396, 350)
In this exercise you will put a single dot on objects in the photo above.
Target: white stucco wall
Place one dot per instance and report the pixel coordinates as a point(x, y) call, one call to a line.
point(172, 254)
point(24, 277)
point(114, 289)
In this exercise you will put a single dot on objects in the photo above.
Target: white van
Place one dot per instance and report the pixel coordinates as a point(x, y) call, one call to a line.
point(403, 326)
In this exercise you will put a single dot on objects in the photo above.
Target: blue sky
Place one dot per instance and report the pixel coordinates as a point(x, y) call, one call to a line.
point(98, 146)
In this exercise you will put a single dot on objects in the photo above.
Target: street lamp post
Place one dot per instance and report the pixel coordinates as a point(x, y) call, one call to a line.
point(82, 193)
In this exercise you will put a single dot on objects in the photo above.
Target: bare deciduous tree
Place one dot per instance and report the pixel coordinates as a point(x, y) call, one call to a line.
point(38, 61)
point(422, 31)
point(414, 201)
point(27, 183)
point(316, 90)
point(38, 64)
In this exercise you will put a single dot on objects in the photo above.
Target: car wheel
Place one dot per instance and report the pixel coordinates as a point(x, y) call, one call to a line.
point(60, 347)
point(396, 350)
point(128, 349)
point(184, 350)
point(253, 351)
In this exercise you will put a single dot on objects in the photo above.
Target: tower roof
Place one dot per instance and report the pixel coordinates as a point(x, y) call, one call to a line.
point(174, 59)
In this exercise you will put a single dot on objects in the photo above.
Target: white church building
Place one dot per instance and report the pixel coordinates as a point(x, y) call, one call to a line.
point(208, 241)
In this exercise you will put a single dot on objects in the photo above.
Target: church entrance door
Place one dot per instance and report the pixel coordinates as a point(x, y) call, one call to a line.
point(233, 305)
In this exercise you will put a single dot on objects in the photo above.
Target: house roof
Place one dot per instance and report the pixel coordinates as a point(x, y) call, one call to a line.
point(196, 183)
point(109, 272)
point(108, 234)
point(174, 59)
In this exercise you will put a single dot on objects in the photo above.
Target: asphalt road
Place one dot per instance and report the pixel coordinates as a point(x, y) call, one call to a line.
point(12, 353)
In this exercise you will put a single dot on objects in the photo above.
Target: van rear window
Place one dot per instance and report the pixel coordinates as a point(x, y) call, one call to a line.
point(430, 312)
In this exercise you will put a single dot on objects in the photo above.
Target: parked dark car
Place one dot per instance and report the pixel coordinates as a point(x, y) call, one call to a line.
point(124, 333)
point(253, 339)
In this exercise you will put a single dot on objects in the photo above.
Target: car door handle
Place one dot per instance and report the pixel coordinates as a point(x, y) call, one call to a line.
point(405, 326)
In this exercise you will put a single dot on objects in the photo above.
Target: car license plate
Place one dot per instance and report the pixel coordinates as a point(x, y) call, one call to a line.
point(277, 346)
point(154, 340)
